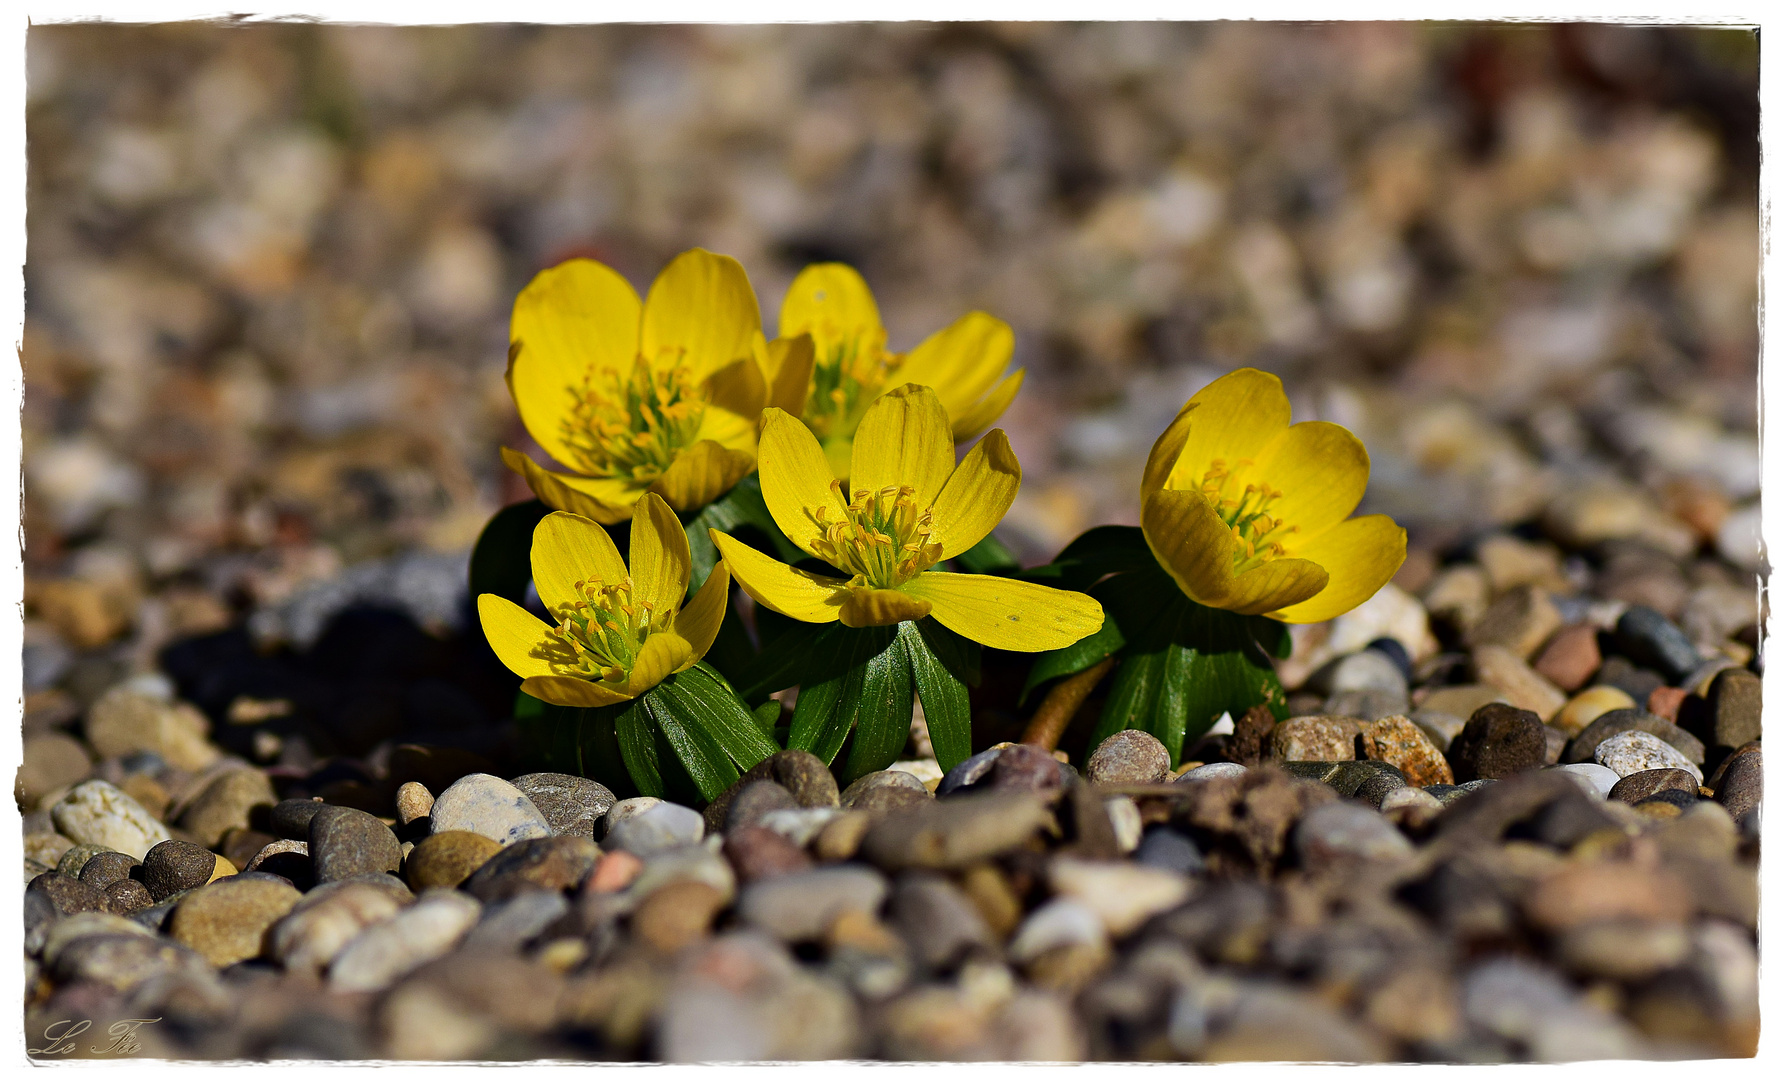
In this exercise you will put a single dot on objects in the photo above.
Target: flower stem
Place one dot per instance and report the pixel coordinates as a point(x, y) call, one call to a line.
point(1061, 704)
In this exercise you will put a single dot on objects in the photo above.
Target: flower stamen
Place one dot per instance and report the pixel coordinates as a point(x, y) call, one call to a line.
point(882, 542)
point(598, 635)
point(632, 426)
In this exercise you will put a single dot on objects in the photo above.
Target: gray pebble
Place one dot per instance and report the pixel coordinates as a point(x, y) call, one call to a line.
point(624, 809)
point(1129, 757)
point(513, 923)
point(801, 907)
point(1651, 640)
point(1335, 831)
point(658, 828)
point(1638, 751)
point(571, 804)
point(489, 806)
point(1211, 771)
point(1168, 849)
point(345, 842)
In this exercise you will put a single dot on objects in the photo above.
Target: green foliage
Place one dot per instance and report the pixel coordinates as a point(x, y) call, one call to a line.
point(740, 512)
point(502, 562)
point(988, 556)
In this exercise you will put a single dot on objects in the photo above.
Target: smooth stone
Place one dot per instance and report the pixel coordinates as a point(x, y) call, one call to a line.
point(1167, 849)
point(756, 852)
point(1410, 798)
point(953, 833)
point(1212, 771)
point(290, 818)
point(627, 808)
point(1638, 751)
point(1029, 769)
point(970, 771)
point(69, 895)
point(659, 828)
point(1637, 682)
point(1129, 757)
point(1059, 922)
point(1460, 701)
point(1585, 892)
point(1624, 950)
point(96, 812)
point(1519, 619)
point(885, 778)
point(314, 932)
point(803, 824)
point(174, 866)
point(1523, 688)
point(1651, 640)
point(1585, 745)
point(1571, 657)
point(1122, 894)
point(413, 802)
point(1395, 651)
point(1404, 745)
point(753, 799)
point(345, 843)
point(1637, 786)
point(677, 915)
point(384, 952)
point(127, 896)
point(131, 717)
point(445, 859)
point(513, 923)
point(1335, 831)
point(571, 804)
point(1588, 705)
point(1310, 738)
point(1499, 741)
point(226, 922)
point(1593, 778)
point(938, 921)
point(106, 868)
point(1366, 705)
point(490, 806)
point(51, 760)
point(1515, 999)
point(1125, 819)
point(61, 933)
point(1734, 708)
point(801, 773)
point(226, 803)
point(551, 864)
point(696, 862)
point(289, 859)
point(122, 961)
point(1369, 669)
point(1743, 785)
point(801, 907)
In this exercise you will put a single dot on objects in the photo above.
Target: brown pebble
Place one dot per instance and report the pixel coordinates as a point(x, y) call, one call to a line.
point(841, 836)
point(1589, 892)
point(1311, 738)
point(1664, 702)
point(677, 914)
point(413, 802)
point(1571, 657)
point(756, 852)
point(1246, 745)
point(444, 860)
point(990, 891)
point(1637, 786)
point(1404, 745)
point(128, 895)
point(1129, 757)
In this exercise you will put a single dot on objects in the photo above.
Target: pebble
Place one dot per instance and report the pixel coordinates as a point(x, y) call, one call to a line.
point(384, 952)
point(107, 867)
point(615, 871)
point(802, 825)
point(345, 842)
point(1311, 738)
point(1734, 707)
point(1637, 786)
point(1402, 744)
point(938, 921)
point(1592, 777)
point(61, 933)
point(1129, 757)
point(751, 800)
point(1336, 831)
point(132, 717)
point(1507, 673)
point(756, 852)
point(1058, 923)
point(1498, 741)
point(1122, 894)
point(1168, 849)
point(51, 760)
point(96, 812)
point(801, 907)
point(1124, 818)
point(571, 804)
point(696, 862)
point(626, 808)
point(1519, 620)
point(489, 806)
point(290, 859)
point(952, 833)
point(226, 803)
point(1623, 950)
point(227, 921)
point(553, 864)
point(319, 926)
point(885, 778)
point(1027, 769)
point(1636, 751)
point(1415, 799)
point(970, 771)
point(445, 859)
point(1368, 669)
point(174, 866)
point(1587, 706)
point(1571, 657)
point(1742, 785)
point(657, 828)
point(413, 802)
point(802, 773)
point(290, 818)
point(1515, 999)
point(128, 895)
point(122, 961)
point(1365, 704)
point(677, 915)
point(512, 923)
point(1211, 771)
point(1588, 892)
point(1665, 702)
point(1618, 721)
point(1651, 640)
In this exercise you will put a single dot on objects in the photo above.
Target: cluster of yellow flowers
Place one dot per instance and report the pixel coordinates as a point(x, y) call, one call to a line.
point(662, 405)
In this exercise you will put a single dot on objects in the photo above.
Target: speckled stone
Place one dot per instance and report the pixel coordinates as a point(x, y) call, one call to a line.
point(754, 799)
point(69, 895)
point(571, 804)
point(1637, 751)
point(96, 812)
point(345, 842)
point(1742, 785)
point(1129, 757)
point(885, 778)
point(1311, 738)
point(445, 859)
point(490, 806)
point(106, 868)
point(174, 866)
point(226, 803)
point(1585, 745)
point(1637, 786)
point(227, 921)
point(1499, 741)
point(127, 896)
point(1404, 745)
point(413, 802)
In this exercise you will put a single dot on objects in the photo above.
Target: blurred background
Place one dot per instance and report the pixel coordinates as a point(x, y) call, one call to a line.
point(270, 268)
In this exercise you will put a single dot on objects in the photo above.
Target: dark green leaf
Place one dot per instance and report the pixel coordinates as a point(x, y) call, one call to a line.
point(638, 746)
point(704, 702)
point(946, 708)
point(1271, 636)
point(826, 708)
point(883, 715)
point(501, 563)
point(1104, 550)
point(988, 556)
point(739, 512)
point(767, 716)
point(699, 754)
point(731, 652)
point(803, 654)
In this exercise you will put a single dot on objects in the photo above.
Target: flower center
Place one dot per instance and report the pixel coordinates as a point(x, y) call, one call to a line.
point(882, 541)
point(599, 634)
point(1247, 513)
point(632, 426)
point(847, 375)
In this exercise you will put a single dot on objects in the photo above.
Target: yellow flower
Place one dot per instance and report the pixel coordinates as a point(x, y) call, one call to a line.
point(618, 632)
point(662, 396)
point(1248, 513)
point(907, 508)
point(851, 368)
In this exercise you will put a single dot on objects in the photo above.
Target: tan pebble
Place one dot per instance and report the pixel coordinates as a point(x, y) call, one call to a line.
point(991, 893)
point(564, 954)
point(677, 914)
point(413, 802)
point(1588, 705)
point(841, 836)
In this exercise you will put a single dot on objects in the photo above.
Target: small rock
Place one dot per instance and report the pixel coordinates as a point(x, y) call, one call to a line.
point(1571, 657)
point(68, 895)
point(1587, 706)
point(107, 867)
point(51, 760)
point(801, 907)
point(384, 952)
point(1665, 701)
point(345, 842)
point(1211, 771)
point(952, 833)
point(1310, 738)
point(1624, 950)
point(1637, 751)
point(694, 862)
point(174, 866)
point(659, 828)
point(1520, 620)
point(1245, 746)
point(756, 852)
point(571, 804)
point(1585, 745)
point(801, 773)
point(1129, 757)
point(1122, 894)
point(289, 859)
point(1637, 786)
point(803, 824)
point(1742, 785)
point(1401, 743)
point(1343, 830)
point(96, 812)
point(413, 802)
point(554, 864)
point(886, 778)
point(512, 924)
point(1057, 923)
point(615, 871)
point(1124, 818)
point(1168, 849)
point(1499, 740)
point(1507, 672)
point(122, 961)
point(61, 933)
point(445, 859)
point(938, 921)
point(628, 808)
point(755, 798)
point(1582, 893)
point(47, 848)
point(971, 771)
point(1734, 707)
point(1411, 799)
point(677, 915)
point(225, 803)
point(309, 937)
point(290, 818)
point(227, 921)
point(1515, 999)
point(1593, 778)
point(127, 719)
point(1650, 639)
point(1029, 769)
point(74, 859)
point(490, 806)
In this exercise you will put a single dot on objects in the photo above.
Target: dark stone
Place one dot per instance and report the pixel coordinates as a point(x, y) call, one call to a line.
point(1638, 786)
point(938, 920)
point(752, 800)
point(571, 804)
point(888, 798)
point(128, 895)
point(1168, 849)
point(756, 852)
point(240, 846)
point(1638, 683)
point(1684, 800)
point(290, 819)
point(552, 863)
point(1734, 706)
point(803, 774)
point(174, 866)
point(106, 868)
point(1443, 793)
point(70, 895)
point(1650, 639)
point(968, 772)
point(1742, 784)
point(1484, 814)
point(1499, 740)
point(344, 842)
point(1393, 650)
point(1028, 769)
point(1246, 747)
point(1617, 721)
point(1567, 820)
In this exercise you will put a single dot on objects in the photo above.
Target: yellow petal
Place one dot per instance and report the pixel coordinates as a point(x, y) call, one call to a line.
point(1166, 451)
point(1008, 614)
point(830, 301)
point(574, 693)
point(779, 587)
point(1277, 583)
point(795, 478)
point(881, 607)
point(659, 555)
point(1361, 555)
point(1191, 542)
point(700, 312)
point(904, 438)
point(729, 430)
point(961, 360)
point(514, 633)
point(568, 549)
point(789, 366)
point(660, 656)
point(970, 421)
point(702, 473)
point(698, 623)
point(838, 451)
point(599, 498)
point(1321, 470)
point(738, 387)
point(1237, 416)
point(574, 317)
point(978, 495)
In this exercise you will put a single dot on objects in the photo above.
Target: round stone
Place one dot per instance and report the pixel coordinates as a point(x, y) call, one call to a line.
point(1592, 777)
point(128, 895)
point(74, 859)
point(677, 915)
point(1637, 786)
point(1637, 751)
point(413, 802)
point(664, 826)
point(571, 804)
point(291, 817)
point(1211, 771)
point(1404, 745)
point(106, 868)
point(1585, 745)
point(1588, 705)
point(51, 760)
point(320, 925)
point(174, 866)
point(1498, 741)
point(490, 806)
point(445, 859)
point(754, 799)
point(757, 852)
point(801, 907)
point(1129, 757)
point(226, 922)
point(1742, 784)
point(1336, 831)
point(96, 812)
point(885, 778)
point(226, 803)
point(553, 863)
point(1026, 768)
point(68, 895)
point(626, 808)
point(1311, 738)
point(384, 952)
point(345, 842)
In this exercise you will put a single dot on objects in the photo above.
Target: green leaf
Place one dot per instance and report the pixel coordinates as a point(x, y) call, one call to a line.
point(502, 563)
point(1078, 656)
point(827, 706)
point(882, 718)
point(767, 715)
point(699, 754)
point(803, 654)
point(1271, 636)
point(638, 746)
point(739, 512)
point(946, 705)
point(731, 652)
point(705, 703)
point(1104, 550)
point(988, 556)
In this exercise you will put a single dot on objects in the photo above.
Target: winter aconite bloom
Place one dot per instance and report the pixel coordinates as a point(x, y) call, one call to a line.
point(851, 366)
point(905, 508)
point(662, 396)
point(1249, 513)
point(615, 632)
